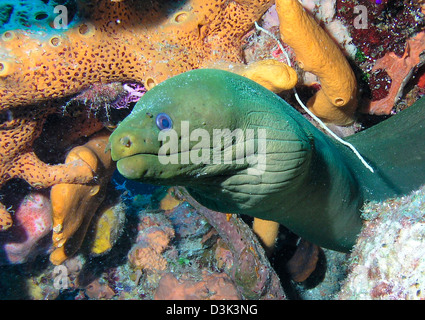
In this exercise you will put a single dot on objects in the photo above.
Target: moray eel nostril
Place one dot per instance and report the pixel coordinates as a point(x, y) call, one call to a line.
point(126, 142)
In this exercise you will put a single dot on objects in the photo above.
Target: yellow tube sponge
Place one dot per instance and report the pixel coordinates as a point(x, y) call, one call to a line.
point(317, 53)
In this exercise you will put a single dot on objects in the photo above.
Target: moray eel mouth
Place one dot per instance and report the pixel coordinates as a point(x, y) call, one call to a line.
point(134, 167)
point(145, 167)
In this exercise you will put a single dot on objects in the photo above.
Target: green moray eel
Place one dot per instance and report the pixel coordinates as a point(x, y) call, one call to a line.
point(310, 183)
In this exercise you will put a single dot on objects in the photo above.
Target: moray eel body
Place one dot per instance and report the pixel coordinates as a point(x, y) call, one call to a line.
point(310, 183)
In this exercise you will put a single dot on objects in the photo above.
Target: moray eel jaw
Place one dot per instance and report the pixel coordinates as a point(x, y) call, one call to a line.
point(133, 167)
point(135, 147)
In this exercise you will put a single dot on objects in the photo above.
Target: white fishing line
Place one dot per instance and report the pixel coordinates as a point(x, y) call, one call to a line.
point(311, 114)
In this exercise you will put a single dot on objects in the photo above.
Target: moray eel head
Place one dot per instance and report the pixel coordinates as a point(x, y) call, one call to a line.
point(164, 120)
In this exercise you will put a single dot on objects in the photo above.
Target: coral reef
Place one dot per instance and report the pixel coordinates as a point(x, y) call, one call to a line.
point(399, 71)
point(389, 246)
point(103, 42)
point(18, 130)
point(192, 262)
point(387, 262)
point(251, 271)
point(382, 31)
point(60, 86)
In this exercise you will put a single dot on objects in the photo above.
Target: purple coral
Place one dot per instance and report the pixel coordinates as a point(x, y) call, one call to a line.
point(134, 92)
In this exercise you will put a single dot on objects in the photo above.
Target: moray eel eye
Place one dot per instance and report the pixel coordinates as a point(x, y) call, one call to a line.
point(163, 121)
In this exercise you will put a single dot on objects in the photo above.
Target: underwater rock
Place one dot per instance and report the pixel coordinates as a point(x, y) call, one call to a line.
point(224, 256)
point(188, 223)
point(251, 271)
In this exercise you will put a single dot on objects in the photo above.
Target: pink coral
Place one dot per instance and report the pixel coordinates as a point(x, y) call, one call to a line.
point(33, 221)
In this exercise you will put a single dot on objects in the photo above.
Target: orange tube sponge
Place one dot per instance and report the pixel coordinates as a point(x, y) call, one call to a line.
point(75, 204)
point(317, 53)
point(271, 74)
point(267, 232)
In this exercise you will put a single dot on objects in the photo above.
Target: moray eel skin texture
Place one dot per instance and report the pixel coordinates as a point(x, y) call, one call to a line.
point(305, 180)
